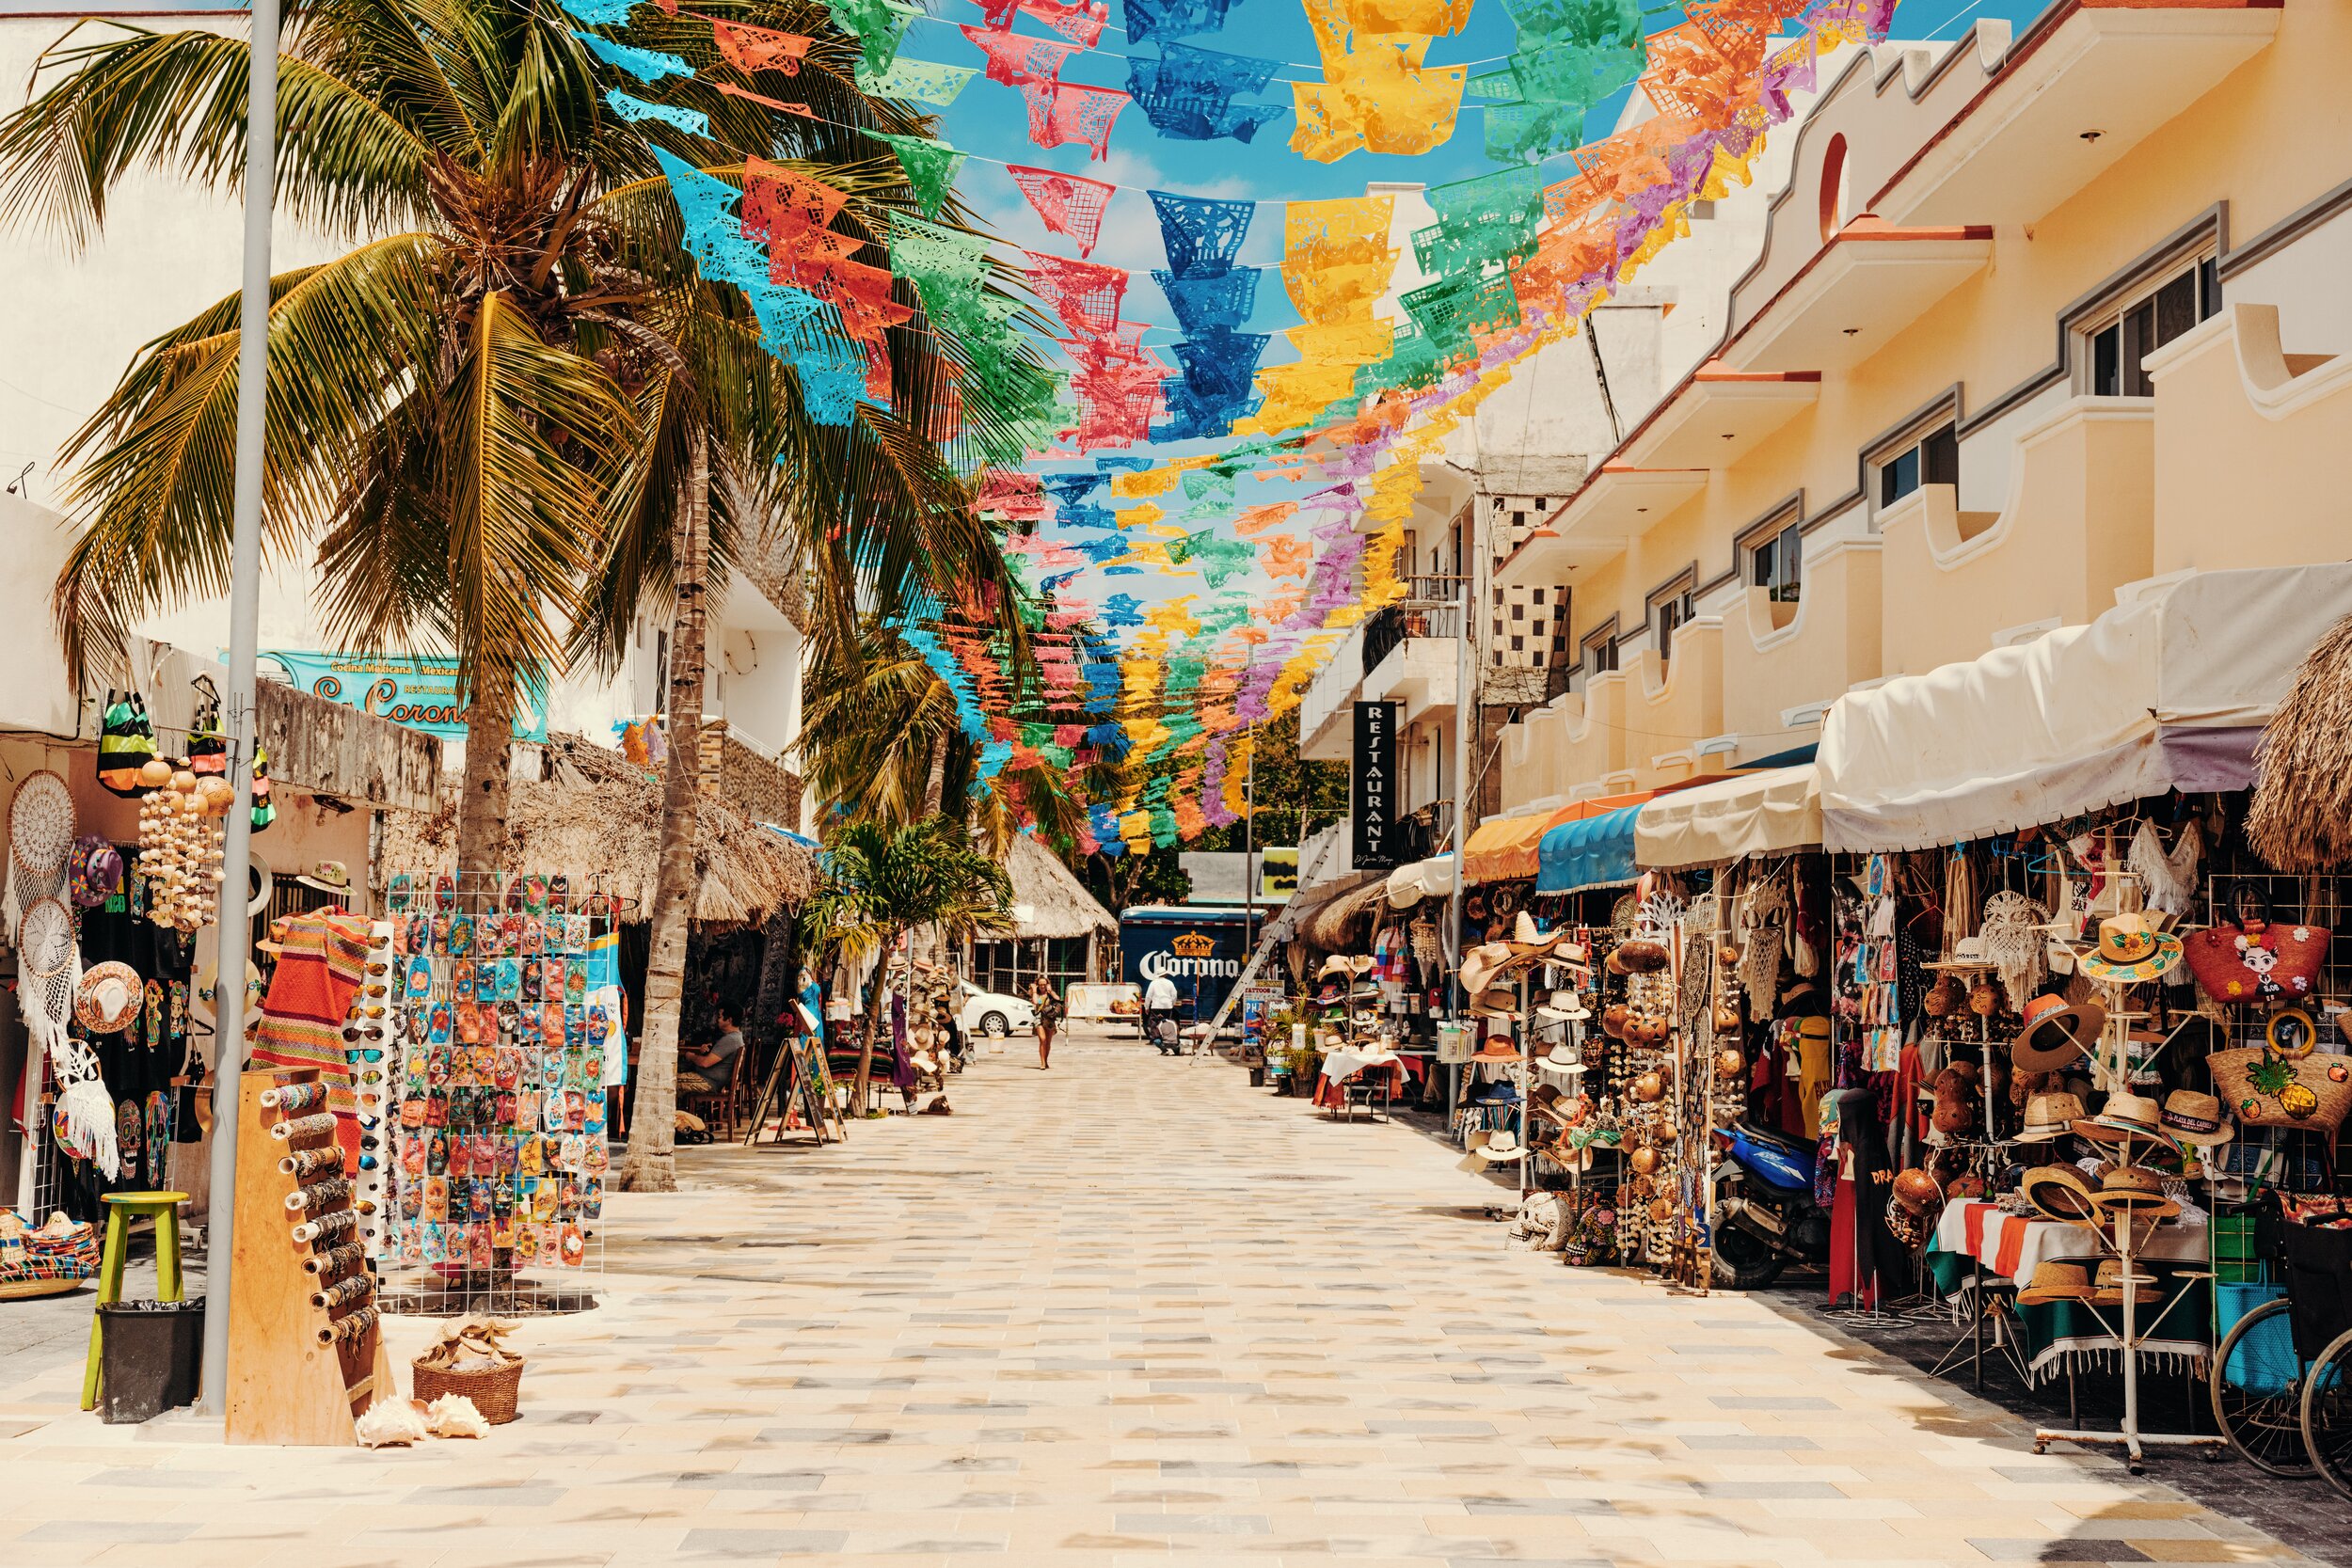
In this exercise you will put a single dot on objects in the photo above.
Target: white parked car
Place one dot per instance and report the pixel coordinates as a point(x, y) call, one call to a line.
point(985, 1012)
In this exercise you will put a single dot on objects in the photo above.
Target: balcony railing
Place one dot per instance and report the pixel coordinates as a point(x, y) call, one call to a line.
point(1388, 628)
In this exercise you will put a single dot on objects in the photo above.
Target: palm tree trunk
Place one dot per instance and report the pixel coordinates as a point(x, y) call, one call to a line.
point(873, 1019)
point(935, 789)
point(651, 1166)
point(482, 849)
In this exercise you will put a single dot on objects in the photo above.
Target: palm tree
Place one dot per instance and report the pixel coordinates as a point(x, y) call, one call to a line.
point(483, 419)
point(881, 883)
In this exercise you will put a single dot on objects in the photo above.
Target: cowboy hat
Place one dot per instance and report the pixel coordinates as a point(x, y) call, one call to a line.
point(2196, 1118)
point(1564, 1006)
point(2055, 1282)
point(1481, 964)
point(1497, 1047)
point(1363, 964)
point(1525, 941)
point(1565, 1057)
point(1335, 964)
point(2056, 1033)
point(2130, 950)
point(2060, 1193)
point(2138, 1192)
point(107, 998)
point(2048, 1117)
point(2127, 1119)
point(1501, 1145)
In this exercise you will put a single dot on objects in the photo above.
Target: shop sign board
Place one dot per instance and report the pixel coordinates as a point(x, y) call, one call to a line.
point(1372, 792)
point(1202, 951)
point(416, 689)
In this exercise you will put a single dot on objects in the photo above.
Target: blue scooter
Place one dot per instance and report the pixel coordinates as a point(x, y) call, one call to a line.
point(1765, 1216)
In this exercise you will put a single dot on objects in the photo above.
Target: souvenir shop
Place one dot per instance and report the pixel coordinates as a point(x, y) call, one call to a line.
point(112, 893)
point(1975, 1016)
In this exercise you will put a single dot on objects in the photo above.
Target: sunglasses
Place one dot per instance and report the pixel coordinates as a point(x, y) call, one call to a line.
point(368, 1052)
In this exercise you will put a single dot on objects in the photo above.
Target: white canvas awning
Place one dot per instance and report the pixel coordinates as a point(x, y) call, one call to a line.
point(1430, 879)
point(2166, 691)
point(1749, 814)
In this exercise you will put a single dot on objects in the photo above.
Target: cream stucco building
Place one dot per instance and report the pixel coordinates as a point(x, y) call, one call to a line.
point(2037, 323)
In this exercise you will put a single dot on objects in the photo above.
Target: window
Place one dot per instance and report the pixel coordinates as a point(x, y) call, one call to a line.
point(1668, 613)
point(1600, 653)
point(1776, 563)
point(2144, 322)
point(1934, 459)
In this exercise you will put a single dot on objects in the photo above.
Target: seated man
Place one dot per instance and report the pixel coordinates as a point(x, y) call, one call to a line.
point(714, 1064)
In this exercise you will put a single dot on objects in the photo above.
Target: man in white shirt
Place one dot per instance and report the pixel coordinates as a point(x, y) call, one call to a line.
point(1159, 1002)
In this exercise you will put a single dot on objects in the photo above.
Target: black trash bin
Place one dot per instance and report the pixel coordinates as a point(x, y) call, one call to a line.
point(153, 1353)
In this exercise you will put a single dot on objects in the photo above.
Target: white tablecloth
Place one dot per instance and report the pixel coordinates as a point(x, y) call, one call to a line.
point(2013, 1243)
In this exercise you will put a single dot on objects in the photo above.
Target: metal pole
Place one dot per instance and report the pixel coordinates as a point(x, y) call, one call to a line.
point(1465, 541)
point(245, 612)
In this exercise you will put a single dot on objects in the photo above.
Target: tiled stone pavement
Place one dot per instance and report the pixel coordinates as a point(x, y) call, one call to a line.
point(1121, 1312)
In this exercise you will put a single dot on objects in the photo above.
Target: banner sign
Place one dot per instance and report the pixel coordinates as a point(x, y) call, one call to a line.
point(1372, 793)
point(1202, 952)
point(418, 691)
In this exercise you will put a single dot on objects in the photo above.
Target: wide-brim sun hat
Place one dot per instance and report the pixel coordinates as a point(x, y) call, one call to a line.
point(2051, 1116)
point(2136, 1191)
point(2055, 1282)
point(2130, 950)
point(2055, 1031)
point(107, 998)
point(2196, 1118)
point(2060, 1193)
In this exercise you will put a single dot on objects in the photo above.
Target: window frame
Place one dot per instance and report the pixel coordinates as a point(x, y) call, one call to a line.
point(1672, 604)
point(2106, 334)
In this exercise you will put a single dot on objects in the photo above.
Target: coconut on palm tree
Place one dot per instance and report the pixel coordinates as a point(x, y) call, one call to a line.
point(882, 884)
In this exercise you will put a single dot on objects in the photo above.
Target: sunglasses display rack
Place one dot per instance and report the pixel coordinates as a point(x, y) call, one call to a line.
point(306, 1353)
point(492, 1063)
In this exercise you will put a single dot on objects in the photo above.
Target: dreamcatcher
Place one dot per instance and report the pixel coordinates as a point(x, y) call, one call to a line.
point(1763, 925)
point(2015, 945)
point(51, 972)
point(40, 841)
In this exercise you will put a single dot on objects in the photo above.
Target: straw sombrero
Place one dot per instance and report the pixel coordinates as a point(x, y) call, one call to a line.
point(2055, 1282)
point(2130, 950)
point(2060, 1193)
point(2138, 1192)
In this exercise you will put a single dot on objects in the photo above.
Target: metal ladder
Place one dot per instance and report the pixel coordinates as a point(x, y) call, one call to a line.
point(1276, 930)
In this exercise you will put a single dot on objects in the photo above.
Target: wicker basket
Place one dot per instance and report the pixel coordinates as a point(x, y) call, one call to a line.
point(493, 1389)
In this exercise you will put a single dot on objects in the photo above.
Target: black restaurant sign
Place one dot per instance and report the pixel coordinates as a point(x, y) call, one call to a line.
point(1372, 801)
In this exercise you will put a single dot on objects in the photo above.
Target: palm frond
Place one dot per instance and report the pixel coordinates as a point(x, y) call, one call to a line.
point(174, 103)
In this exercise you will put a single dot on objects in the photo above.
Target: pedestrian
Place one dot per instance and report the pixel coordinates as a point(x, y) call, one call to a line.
point(1159, 1002)
point(1048, 1006)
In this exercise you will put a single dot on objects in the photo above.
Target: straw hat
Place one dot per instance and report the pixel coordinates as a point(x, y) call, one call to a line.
point(2056, 1033)
point(2060, 1193)
point(2107, 1290)
point(2196, 1118)
point(2138, 1192)
point(2130, 950)
point(2049, 1116)
point(2127, 1119)
point(1363, 964)
point(2055, 1282)
point(1481, 964)
point(1334, 965)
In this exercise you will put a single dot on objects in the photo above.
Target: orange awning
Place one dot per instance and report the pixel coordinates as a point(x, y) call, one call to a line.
point(1504, 848)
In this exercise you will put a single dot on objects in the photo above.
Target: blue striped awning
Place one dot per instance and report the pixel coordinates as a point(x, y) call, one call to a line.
point(1594, 852)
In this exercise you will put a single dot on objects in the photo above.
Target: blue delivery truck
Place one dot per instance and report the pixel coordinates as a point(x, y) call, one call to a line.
point(1201, 949)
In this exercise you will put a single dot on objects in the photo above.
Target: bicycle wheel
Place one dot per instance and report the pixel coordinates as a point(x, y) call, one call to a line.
point(2327, 1413)
point(2257, 1388)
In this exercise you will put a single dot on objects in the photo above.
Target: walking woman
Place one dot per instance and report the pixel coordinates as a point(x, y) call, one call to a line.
point(1048, 1006)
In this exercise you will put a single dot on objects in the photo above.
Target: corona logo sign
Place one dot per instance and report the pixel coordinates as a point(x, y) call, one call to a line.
point(1193, 944)
point(1189, 957)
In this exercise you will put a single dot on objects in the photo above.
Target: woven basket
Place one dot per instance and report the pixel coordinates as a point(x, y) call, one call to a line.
point(2327, 1078)
point(493, 1389)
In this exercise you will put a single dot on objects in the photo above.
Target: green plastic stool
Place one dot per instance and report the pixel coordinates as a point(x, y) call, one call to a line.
point(121, 1208)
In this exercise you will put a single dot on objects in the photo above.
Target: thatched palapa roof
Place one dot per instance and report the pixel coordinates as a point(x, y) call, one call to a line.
point(2302, 817)
point(598, 821)
point(1054, 902)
